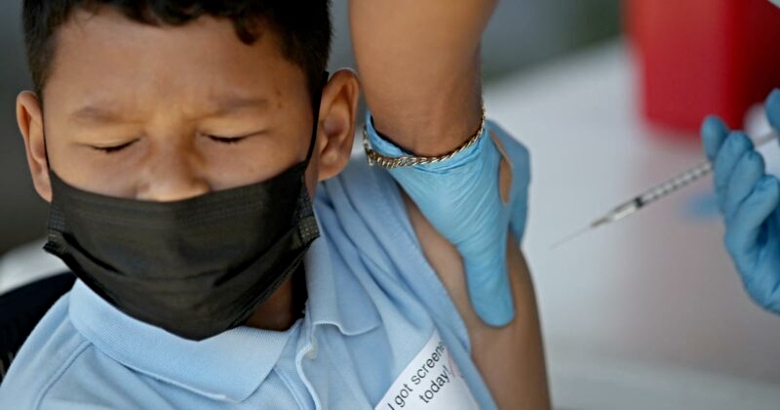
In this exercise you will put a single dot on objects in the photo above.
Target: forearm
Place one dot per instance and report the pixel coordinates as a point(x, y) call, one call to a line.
point(510, 358)
point(420, 69)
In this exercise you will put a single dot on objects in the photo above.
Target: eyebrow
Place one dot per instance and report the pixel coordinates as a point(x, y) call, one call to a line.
point(97, 113)
point(108, 113)
point(229, 104)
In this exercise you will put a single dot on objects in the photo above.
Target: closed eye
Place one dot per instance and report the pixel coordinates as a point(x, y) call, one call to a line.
point(114, 148)
point(226, 140)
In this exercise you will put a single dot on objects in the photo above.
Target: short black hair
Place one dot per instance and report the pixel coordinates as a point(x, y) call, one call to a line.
point(303, 26)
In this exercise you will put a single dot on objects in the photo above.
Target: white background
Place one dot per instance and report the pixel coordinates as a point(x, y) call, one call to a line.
point(647, 313)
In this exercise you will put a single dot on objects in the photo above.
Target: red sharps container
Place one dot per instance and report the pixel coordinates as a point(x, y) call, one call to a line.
point(700, 57)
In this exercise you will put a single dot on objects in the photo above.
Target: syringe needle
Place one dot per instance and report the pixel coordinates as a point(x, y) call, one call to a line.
point(593, 225)
point(570, 237)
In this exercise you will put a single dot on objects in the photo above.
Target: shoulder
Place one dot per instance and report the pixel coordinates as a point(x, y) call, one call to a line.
point(374, 246)
point(60, 368)
point(362, 207)
point(366, 220)
point(359, 179)
point(46, 355)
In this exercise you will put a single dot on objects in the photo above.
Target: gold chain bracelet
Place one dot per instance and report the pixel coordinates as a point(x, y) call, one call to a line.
point(375, 158)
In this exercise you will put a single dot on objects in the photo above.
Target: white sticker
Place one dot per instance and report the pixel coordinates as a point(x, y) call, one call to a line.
point(431, 381)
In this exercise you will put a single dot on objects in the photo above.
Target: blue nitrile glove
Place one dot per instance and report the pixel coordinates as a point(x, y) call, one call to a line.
point(749, 200)
point(461, 198)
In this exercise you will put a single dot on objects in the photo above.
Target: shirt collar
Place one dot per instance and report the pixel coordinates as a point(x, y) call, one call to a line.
point(233, 364)
point(229, 366)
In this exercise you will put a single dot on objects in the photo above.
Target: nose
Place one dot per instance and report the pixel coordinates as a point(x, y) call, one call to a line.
point(173, 175)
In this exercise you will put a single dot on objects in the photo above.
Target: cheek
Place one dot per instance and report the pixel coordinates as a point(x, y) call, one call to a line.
point(90, 170)
point(261, 157)
point(248, 162)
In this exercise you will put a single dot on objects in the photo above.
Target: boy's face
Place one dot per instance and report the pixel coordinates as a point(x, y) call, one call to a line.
point(169, 113)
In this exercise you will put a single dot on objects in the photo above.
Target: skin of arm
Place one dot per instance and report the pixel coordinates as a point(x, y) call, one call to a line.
point(419, 66)
point(510, 358)
point(420, 69)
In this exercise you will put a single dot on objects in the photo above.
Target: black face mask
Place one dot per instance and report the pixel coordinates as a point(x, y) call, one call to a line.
point(195, 267)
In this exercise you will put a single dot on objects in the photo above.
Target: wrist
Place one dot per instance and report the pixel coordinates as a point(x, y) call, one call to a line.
point(380, 150)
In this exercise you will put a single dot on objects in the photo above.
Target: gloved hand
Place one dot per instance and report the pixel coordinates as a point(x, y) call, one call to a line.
point(461, 198)
point(749, 201)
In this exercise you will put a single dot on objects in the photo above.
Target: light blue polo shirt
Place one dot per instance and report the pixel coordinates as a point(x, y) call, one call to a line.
point(373, 304)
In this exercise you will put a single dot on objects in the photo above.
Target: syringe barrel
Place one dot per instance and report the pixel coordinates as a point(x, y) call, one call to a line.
point(675, 183)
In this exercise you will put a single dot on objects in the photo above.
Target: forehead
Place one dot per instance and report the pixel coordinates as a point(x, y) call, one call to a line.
point(105, 54)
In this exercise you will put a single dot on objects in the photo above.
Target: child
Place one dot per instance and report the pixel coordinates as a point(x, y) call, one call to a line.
point(179, 144)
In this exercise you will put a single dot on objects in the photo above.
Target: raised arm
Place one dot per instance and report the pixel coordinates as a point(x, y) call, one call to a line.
point(419, 68)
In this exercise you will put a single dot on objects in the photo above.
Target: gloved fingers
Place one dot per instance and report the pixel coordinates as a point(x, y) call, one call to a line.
point(713, 132)
point(517, 153)
point(521, 175)
point(745, 227)
point(490, 290)
point(763, 285)
point(735, 146)
point(773, 109)
point(763, 282)
point(747, 173)
point(519, 217)
point(505, 174)
point(518, 213)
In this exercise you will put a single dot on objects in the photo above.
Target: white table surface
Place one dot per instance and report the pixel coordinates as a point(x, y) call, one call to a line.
point(647, 313)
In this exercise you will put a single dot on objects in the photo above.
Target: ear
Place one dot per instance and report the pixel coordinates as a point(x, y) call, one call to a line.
point(29, 116)
point(338, 112)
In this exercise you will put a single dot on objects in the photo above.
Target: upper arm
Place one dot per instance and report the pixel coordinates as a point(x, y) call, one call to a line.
point(419, 68)
point(511, 358)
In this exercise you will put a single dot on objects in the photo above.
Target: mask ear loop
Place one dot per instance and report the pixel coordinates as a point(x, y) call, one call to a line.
point(54, 179)
point(45, 145)
point(316, 105)
point(56, 217)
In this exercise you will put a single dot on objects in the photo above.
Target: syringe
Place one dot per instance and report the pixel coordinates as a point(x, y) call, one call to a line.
point(658, 192)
